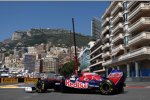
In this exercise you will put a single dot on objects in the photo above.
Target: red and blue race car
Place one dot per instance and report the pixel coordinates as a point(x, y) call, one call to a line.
point(114, 83)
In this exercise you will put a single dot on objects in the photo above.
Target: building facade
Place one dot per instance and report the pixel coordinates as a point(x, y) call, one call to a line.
point(50, 64)
point(84, 58)
point(95, 28)
point(96, 58)
point(127, 23)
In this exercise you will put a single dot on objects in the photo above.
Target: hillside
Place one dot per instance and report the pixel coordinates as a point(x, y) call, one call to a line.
point(58, 37)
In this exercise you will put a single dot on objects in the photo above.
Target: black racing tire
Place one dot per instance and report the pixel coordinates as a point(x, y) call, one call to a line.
point(41, 86)
point(63, 88)
point(106, 87)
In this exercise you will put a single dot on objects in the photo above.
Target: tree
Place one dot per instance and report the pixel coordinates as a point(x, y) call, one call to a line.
point(67, 69)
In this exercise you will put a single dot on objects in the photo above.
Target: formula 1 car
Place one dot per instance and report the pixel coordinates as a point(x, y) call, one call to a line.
point(114, 83)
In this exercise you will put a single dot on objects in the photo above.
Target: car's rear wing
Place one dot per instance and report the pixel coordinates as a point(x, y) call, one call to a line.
point(116, 76)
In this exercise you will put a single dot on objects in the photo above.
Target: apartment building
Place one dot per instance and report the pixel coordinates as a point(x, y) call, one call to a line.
point(50, 63)
point(127, 24)
point(84, 57)
point(96, 58)
point(95, 28)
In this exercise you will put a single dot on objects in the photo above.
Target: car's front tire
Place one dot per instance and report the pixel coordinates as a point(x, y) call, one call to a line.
point(41, 86)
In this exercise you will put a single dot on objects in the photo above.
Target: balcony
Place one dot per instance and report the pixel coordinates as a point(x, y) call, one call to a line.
point(105, 55)
point(117, 38)
point(141, 10)
point(138, 54)
point(142, 24)
point(132, 4)
point(106, 46)
point(108, 10)
point(105, 22)
point(107, 62)
point(97, 63)
point(96, 50)
point(106, 38)
point(118, 28)
point(105, 30)
point(116, 9)
point(96, 56)
point(141, 38)
point(117, 48)
point(118, 18)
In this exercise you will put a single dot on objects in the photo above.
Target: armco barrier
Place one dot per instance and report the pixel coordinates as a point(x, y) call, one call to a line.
point(30, 80)
point(9, 80)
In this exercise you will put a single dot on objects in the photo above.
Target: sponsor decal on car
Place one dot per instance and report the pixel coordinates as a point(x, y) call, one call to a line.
point(115, 77)
point(76, 84)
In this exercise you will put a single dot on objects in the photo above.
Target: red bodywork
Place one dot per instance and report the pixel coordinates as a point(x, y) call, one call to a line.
point(89, 76)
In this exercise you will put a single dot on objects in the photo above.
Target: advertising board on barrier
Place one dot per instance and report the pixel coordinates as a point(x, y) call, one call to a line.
point(9, 80)
point(30, 80)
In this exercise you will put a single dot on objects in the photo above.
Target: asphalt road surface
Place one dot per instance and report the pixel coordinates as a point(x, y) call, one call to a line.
point(137, 93)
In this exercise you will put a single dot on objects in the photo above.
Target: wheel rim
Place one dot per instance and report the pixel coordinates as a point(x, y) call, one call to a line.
point(106, 87)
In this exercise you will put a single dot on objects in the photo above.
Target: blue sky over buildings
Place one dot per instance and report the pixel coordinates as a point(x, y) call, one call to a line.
point(23, 15)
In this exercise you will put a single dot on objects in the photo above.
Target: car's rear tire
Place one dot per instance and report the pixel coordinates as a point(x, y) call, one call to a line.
point(106, 87)
point(41, 86)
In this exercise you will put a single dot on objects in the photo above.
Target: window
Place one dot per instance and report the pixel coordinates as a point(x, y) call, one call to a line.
point(125, 4)
point(126, 40)
point(125, 17)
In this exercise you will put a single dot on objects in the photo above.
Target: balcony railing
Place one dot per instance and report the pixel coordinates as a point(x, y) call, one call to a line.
point(97, 63)
point(117, 38)
point(142, 37)
point(132, 3)
point(117, 48)
point(117, 7)
point(135, 54)
point(142, 24)
point(108, 10)
point(139, 9)
point(119, 26)
point(105, 46)
point(105, 55)
point(96, 50)
point(105, 29)
point(116, 19)
point(138, 54)
point(105, 21)
point(106, 38)
point(96, 56)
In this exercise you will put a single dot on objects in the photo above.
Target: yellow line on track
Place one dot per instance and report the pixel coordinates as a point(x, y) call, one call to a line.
point(9, 86)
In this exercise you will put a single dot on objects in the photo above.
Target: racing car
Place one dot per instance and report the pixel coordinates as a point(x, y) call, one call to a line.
point(86, 81)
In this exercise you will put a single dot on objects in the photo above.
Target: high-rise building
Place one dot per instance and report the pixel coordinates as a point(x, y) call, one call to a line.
point(96, 58)
point(84, 57)
point(128, 25)
point(96, 28)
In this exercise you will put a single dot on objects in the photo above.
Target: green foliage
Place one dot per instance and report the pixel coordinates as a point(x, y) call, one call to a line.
point(67, 69)
point(56, 36)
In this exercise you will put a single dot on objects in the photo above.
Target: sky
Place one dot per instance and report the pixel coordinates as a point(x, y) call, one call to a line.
point(24, 15)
